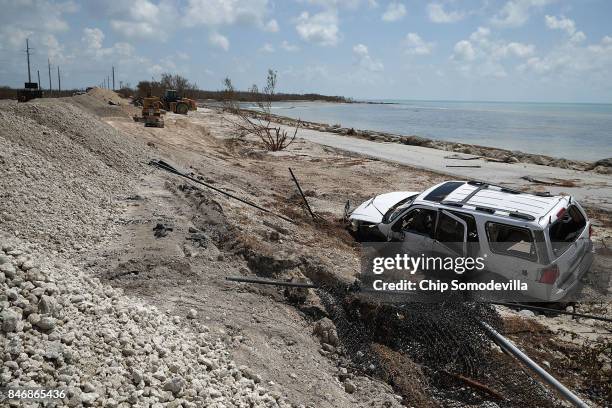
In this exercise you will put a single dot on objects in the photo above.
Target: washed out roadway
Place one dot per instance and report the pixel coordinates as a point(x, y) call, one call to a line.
point(592, 189)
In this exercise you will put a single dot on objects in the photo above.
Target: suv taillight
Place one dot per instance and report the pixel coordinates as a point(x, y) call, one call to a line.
point(549, 274)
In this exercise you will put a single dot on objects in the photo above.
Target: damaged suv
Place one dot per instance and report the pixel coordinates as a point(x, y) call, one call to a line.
point(540, 239)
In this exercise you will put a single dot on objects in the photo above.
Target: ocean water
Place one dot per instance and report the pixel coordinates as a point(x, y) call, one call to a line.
point(572, 131)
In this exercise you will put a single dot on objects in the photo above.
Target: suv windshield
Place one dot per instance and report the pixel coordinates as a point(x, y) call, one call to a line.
point(397, 209)
point(567, 229)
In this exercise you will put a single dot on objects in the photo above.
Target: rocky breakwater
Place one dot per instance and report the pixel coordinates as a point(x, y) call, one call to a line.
point(62, 329)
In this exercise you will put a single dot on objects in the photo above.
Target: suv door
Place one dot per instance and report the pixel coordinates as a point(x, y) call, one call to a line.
point(450, 236)
point(415, 229)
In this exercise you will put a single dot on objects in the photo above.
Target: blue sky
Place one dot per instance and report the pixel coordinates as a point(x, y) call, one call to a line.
point(519, 50)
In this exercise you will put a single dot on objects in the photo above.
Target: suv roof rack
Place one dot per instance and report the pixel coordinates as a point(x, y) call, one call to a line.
point(508, 189)
point(484, 185)
point(490, 210)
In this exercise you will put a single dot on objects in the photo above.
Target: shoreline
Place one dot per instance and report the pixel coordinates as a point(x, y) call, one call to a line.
point(488, 153)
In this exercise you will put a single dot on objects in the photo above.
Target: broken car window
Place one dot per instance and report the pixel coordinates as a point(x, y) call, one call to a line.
point(510, 240)
point(566, 229)
point(418, 221)
point(397, 209)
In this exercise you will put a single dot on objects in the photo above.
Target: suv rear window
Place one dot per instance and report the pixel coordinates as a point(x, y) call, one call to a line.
point(510, 240)
point(440, 193)
point(567, 229)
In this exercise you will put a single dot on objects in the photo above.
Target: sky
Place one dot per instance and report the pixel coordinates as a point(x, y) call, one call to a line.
point(505, 50)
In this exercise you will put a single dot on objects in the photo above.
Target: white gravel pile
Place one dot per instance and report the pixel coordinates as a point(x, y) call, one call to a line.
point(61, 172)
point(64, 330)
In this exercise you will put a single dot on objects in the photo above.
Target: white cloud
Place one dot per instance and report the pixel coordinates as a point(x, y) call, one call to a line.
point(561, 23)
point(437, 14)
point(271, 26)
point(142, 18)
point(414, 44)
point(219, 41)
point(515, 13)
point(225, 12)
point(135, 29)
point(55, 50)
point(93, 40)
point(570, 61)
point(567, 25)
point(489, 49)
point(464, 51)
point(93, 37)
point(515, 49)
point(321, 28)
point(143, 10)
point(365, 61)
point(577, 37)
point(38, 20)
point(395, 11)
point(14, 37)
point(268, 48)
point(123, 49)
point(481, 35)
point(287, 46)
point(335, 4)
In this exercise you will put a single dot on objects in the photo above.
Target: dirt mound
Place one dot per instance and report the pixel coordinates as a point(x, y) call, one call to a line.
point(101, 102)
point(106, 96)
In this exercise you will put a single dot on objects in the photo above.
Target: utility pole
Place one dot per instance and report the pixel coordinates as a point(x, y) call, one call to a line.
point(38, 72)
point(50, 85)
point(113, 78)
point(28, 57)
point(59, 82)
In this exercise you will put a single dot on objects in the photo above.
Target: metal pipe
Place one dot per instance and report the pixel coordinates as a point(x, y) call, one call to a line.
point(165, 166)
point(546, 377)
point(301, 193)
point(547, 309)
point(270, 282)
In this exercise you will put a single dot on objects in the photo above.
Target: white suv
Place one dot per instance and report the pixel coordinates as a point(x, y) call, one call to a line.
point(540, 239)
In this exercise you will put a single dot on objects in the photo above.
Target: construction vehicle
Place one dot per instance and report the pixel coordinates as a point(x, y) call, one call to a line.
point(151, 112)
point(154, 107)
point(30, 91)
point(175, 104)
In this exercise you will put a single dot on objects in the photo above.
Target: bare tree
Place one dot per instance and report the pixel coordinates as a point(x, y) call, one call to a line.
point(168, 81)
point(259, 122)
